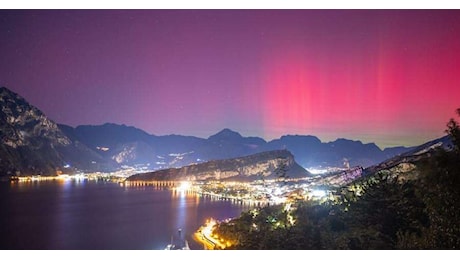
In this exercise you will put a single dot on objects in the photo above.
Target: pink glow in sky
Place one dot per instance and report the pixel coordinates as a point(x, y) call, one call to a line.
point(385, 76)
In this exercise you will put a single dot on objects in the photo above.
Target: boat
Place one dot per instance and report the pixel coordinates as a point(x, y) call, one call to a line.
point(177, 242)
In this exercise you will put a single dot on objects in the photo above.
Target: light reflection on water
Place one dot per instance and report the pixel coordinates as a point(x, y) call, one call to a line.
point(181, 209)
point(71, 214)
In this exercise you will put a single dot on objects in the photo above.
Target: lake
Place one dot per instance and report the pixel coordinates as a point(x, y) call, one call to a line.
point(72, 214)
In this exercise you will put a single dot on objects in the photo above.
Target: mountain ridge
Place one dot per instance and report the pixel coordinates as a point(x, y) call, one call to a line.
point(310, 150)
point(33, 143)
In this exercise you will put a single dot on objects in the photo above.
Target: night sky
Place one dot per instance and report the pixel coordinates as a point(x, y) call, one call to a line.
point(385, 76)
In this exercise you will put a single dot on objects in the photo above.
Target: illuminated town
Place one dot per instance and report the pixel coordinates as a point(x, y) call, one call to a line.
point(320, 188)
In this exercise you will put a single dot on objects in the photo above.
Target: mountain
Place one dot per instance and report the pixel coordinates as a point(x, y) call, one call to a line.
point(31, 143)
point(311, 152)
point(406, 162)
point(247, 168)
point(128, 145)
point(397, 150)
point(228, 144)
point(444, 142)
point(118, 143)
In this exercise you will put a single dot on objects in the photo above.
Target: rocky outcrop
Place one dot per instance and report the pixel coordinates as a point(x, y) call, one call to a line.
point(31, 143)
point(21, 123)
point(257, 166)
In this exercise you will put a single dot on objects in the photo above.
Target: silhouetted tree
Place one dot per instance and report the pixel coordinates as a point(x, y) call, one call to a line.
point(440, 190)
point(453, 130)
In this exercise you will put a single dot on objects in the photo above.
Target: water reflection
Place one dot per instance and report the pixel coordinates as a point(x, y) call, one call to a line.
point(72, 214)
point(183, 201)
point(65, 184)
point(65, 234)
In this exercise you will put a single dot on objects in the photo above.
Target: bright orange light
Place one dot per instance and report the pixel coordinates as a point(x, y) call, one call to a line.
point(184, 186)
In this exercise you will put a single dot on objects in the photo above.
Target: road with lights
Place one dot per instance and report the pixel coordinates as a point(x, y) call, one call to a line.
point(205, 236)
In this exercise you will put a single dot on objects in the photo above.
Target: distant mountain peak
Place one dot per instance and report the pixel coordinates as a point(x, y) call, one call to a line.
point(301, 137)
point(344, 140)
point(226, 134)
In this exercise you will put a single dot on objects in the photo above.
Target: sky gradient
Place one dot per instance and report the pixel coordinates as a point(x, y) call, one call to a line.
point(386, 76)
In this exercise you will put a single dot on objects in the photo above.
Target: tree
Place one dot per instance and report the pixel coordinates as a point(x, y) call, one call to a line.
point(453, 130)
point(440, 190)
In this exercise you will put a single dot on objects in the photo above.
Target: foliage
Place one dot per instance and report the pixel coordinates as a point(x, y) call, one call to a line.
point(440, 184)
point(380, 211)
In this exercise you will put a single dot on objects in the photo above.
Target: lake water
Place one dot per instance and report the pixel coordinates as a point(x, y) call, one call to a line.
point(101, 215)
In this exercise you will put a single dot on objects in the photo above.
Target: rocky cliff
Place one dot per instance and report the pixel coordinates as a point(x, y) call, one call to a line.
point(31, 143)
point(257, 166)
